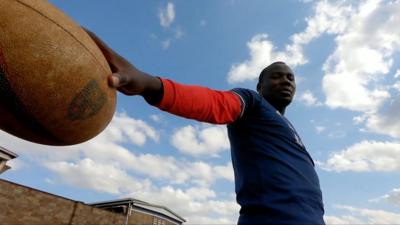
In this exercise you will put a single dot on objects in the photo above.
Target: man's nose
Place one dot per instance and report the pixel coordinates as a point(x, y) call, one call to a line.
point(286, 81)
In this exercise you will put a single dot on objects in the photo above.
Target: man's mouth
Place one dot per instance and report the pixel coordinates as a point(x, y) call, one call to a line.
point(286, 92)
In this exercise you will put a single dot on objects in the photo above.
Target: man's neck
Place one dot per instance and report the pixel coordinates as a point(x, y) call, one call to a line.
point(280, 109)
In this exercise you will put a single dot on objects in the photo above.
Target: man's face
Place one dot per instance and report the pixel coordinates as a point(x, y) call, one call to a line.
point(278, 85)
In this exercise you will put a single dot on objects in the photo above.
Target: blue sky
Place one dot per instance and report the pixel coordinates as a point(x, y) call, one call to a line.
point(345, 55)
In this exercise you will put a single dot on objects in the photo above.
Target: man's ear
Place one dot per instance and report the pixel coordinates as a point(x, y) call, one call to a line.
point(258, 88)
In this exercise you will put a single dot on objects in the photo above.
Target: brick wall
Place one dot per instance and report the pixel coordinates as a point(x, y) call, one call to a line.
point(20, 205)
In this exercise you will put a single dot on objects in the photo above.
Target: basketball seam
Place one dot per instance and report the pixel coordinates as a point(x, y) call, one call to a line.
point(76, 39)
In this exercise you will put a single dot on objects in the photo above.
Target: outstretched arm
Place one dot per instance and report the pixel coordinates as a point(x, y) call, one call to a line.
point(200, 103)
point(189, 101)
point(126, 78)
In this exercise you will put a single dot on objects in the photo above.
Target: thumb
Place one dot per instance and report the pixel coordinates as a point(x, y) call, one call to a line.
point(114, 80)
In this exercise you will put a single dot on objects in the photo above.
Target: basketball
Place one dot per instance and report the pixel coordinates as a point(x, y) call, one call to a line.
point(53, 77)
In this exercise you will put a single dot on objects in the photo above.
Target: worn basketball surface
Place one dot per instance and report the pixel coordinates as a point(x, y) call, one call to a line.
point(53, 77)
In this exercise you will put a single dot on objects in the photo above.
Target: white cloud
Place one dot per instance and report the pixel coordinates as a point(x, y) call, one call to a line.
point(337, 134)
point(107, 149)
point(123, 128)
point(225, 172)
point(369, 216)
point(156, 117)
point(363, 55)
point(17, 164)
point(392, 197)
point(355, 215)
point(397, 86)
point(206, 141)
point(320, 129)
point(328, 18)
point(397, 74)
point(223, 220)
point(365, 156)
point(305, 1)
point(342, 220)
point(262, 53)
point(387, 122)
point(167, 15)
point(99, 177)
point(360, 119)
point(166, 44)
point(202, 173)
point(198, 193)
point(222, 172)
point(309, 99)
point(106, 152)
point(195, 207)
point(175, 171)
point(103, 164)
point(196, 203)
point(366, 37)
point(36, 151)
point(163, 168)
point(179, 33)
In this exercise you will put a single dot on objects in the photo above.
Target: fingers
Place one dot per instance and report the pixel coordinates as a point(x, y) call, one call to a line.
point(113, 81)
point(109, 54)
point(124, 75)
point(117, 80)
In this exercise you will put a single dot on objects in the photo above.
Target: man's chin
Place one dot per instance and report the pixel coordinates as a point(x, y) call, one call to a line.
point(280, 101)
point(285, 101)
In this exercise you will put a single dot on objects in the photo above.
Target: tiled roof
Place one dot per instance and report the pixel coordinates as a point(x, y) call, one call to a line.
point(142, 205)
point(7, 153)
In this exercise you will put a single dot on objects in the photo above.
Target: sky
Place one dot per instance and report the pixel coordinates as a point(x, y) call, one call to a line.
point(345, 55)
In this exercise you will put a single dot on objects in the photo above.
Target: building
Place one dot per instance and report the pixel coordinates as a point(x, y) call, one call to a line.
point(35, 207)
point(21, 205)
point(5, 155)
point(139, 211)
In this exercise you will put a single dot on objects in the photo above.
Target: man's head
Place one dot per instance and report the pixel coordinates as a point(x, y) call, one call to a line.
point(277, 85)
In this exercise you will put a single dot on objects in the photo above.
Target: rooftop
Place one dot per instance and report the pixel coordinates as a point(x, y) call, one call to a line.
point(7, 154)
point(141, 205)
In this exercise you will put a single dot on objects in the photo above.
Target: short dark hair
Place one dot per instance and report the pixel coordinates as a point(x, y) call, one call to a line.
point(267, 69)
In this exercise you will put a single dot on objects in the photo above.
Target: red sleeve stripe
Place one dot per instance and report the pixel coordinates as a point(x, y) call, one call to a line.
point(200, 103)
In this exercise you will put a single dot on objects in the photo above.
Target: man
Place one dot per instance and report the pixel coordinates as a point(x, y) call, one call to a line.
point(275, 179)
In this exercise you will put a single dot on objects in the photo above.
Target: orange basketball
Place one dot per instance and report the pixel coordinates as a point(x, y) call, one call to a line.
point(53, 77)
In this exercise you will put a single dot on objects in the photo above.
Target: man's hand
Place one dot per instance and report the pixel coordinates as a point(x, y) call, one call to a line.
point(128, 79)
